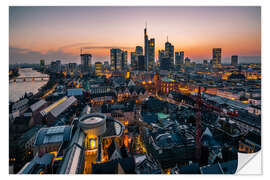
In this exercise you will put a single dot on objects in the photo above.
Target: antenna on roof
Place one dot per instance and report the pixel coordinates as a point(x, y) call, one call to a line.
point(167, 39)
point(145, 24)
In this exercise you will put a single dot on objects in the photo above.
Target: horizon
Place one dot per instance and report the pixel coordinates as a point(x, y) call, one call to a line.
point(43, 32)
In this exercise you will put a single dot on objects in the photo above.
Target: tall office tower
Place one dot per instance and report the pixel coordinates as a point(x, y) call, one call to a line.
point(182, 57)
point(124, 60)
point(234, 60)
point(58, 66)
point(86, 63)
point(133, 61)
point(72, 67)
point(141, 63)
point(217, 56)
point(139, 50)
point(53, 66)
point(146, 46)
point(187, 62)
point(42, 63)
point(118, 60)
point(205, 62)
point(161, 54)
point(151, 54)
point(179, 59)
point(99, 69)
point(169, 52)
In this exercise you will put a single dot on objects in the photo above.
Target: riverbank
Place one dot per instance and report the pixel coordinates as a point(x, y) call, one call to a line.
point(17, 90)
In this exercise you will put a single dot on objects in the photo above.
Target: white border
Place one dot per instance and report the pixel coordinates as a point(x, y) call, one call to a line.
point(4, 63)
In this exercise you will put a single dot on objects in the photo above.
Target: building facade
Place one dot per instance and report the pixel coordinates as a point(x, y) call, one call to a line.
point(234, 60)
point(118, 59)
point(217, 56)
point(151, 54)
point(86, 63)
point(169, 52)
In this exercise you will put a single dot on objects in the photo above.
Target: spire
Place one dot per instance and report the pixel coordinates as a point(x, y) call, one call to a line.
point(145, 24)
point(167, 39)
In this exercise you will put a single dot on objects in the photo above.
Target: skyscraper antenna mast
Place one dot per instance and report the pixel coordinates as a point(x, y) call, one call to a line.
point(167, 39)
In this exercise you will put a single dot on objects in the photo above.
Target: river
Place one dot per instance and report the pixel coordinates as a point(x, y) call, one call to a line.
point(18, 89)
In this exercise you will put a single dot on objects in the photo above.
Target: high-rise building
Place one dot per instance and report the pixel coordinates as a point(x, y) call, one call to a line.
point(169, 52)
point(86, 63)
point(124, 60)
point(42, 63)
point(217, 56)
point(134, 57)
point(205, 62)
point(72, 67)
point(234, 60)
point(139, 50)
point(133, 60)
point(161, 54)
point(187, 62)
point(99, 69)
point(146, 46)
point(179, 59)
point(116, 57)
point(149, 51)
point(118, 60)
point(141, 63)
point(58, 66)
point(151, 54)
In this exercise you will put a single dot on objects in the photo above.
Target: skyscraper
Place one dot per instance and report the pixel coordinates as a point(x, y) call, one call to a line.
point(179, 59)
point(141, 63)
point(139, 50)
point(169, 52)
point(205, 62)
point(86, 63)
point(146, 46)
point(134, 57)
point(58, 66)
point(133, 60)
point(187, 62)
point(161, 53)
point(149, 51)
point(118, 59)
point(234, 60)
point(72, 67)
point(151, 54)
point(124, 60)
point(217, 56)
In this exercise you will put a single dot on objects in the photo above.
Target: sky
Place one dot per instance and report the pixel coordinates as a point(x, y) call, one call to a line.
point(52, 33)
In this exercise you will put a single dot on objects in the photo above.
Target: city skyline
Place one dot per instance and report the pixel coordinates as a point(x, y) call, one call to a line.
point(42, 32)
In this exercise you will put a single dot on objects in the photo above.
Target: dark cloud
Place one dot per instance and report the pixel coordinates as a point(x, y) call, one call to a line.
point(22, 55)
point(108, 47)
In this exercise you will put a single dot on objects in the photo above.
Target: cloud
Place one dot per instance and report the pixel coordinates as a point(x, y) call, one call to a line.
point(93, 46)
point(108, 47)
point(23, 55)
